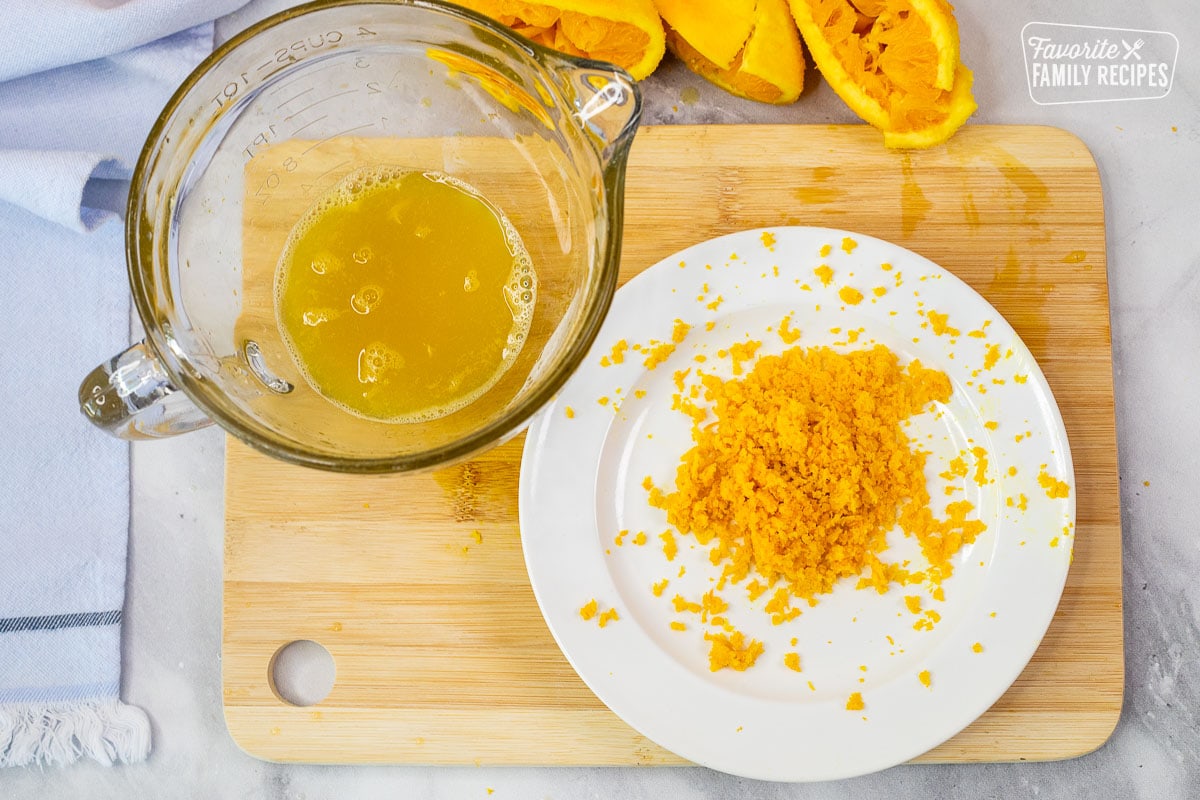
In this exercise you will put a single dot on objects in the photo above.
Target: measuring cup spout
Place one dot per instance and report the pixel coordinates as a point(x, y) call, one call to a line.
point(606, 102)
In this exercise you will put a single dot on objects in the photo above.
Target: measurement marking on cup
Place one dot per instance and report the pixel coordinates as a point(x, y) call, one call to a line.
point(307, 124)
point(294, 97)
point(303, 76)
point(230, 90)
point(264, 137)
point(318, 102)
point(334, 136)
point(331, 169)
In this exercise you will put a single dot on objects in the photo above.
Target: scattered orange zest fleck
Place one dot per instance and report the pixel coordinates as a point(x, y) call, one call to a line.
point(939, 323)
point(589, 609)
point(992, 356)
point(1055, 488)
point(850, 295)
point(732, 651)
point(786, 332)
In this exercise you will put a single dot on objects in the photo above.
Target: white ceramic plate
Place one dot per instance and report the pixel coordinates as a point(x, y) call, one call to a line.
point(581, 483)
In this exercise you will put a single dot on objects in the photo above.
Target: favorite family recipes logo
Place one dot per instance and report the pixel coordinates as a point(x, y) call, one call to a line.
point(1084, 64)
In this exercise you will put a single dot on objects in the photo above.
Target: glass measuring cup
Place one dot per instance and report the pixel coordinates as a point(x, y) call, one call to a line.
point(277, 116)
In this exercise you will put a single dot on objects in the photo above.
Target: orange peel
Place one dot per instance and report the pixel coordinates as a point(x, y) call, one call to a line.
point(894, 62)
point(628, 33)
point(750, 48)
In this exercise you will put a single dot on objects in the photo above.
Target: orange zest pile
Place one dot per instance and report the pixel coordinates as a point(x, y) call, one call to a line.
point(627, 33)
point(807, 467)
point(894, 62)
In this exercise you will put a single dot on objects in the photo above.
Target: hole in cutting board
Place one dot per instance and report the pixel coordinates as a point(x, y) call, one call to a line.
point(301, 673)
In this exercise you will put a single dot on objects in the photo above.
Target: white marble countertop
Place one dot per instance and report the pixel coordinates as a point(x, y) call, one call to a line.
point(1149, 158)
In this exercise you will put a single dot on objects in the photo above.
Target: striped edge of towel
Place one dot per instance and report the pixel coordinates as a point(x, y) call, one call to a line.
point(59, 715)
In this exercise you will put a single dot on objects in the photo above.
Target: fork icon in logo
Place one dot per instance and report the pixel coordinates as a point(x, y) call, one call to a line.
point(1132, 49)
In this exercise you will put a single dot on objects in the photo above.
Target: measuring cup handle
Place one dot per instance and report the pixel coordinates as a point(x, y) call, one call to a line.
point(131, 397)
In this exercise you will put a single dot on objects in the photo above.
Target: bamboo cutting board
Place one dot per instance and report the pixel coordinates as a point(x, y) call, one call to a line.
point(442, 656)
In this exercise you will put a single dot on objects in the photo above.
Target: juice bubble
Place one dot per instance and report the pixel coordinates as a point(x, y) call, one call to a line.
point(376, 360)
point(513, 344)
point(363, 254)
point(325, 263)
point(471, 282)
point(422, 231)
point(317, 316)
point(366, 299)
point(521, 290)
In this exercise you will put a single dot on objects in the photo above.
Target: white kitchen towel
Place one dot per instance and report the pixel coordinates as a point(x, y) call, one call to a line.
point(43, 34)
point(68, 138)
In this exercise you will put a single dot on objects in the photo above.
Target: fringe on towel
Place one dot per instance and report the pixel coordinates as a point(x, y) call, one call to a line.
point(55, 734)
